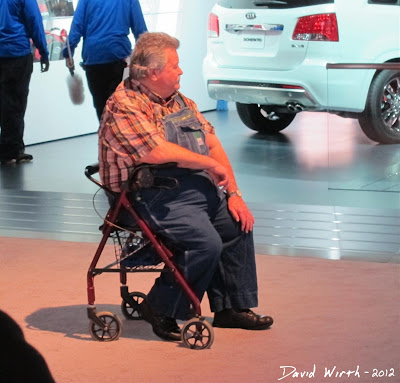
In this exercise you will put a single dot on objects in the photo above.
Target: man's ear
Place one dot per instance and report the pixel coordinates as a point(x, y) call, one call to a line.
point(153, 74)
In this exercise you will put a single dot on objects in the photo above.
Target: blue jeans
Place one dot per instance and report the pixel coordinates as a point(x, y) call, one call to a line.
point(193, 218)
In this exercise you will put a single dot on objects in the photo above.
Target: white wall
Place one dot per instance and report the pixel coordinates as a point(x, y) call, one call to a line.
point(193, 35)
point(51, 115)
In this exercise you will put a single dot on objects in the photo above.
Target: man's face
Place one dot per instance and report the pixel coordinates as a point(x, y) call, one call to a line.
point(168, 78)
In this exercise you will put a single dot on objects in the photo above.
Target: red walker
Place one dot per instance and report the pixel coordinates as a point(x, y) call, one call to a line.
point(131, 244)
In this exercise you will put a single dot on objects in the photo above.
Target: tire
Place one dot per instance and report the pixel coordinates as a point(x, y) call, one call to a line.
point(197, 334)
point(380, 120)
point(253, 116)
point(111, 331)
point(131, 309)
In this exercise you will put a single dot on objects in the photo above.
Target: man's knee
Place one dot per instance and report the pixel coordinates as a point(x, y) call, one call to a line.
point(215, 246)
point(206, 249)
point(208, 246)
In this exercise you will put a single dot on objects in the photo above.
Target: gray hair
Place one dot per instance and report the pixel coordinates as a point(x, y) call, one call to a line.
point(149, 53)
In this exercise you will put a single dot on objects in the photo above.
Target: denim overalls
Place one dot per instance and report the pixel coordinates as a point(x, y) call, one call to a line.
point(194, 219)
point(184, 128)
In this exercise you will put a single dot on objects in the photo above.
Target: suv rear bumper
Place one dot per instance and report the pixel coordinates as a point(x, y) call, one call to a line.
point(311, 84)
point(260, 93)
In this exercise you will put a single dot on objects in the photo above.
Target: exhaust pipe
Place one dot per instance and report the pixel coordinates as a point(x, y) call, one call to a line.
point(299, 107)
point(294, 108)
point(291, 107)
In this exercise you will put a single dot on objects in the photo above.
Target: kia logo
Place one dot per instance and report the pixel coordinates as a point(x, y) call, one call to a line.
point(250, 15)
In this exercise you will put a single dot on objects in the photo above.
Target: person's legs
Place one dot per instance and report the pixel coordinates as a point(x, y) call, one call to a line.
point(233, 288)
point(234, 284)
point(182, 217)
point(195, 221)
point(15, 75)
point(102, 80)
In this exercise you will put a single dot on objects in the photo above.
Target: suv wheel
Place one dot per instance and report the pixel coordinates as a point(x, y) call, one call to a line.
point(262, 119)
point(380, 120)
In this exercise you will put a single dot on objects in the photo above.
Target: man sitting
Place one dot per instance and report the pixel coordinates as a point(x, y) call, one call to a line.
point(147, 120)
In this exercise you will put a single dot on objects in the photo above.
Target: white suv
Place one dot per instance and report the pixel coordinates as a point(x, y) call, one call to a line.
point(276, 58)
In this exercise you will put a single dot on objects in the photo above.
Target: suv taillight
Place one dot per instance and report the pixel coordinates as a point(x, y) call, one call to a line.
point(322, 27)
point(213, 25)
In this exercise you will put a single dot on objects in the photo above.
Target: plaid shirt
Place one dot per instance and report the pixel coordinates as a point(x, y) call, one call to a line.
point(131, 126)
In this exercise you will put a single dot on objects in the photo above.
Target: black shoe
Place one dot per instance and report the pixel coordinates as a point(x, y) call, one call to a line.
point(245, 319)
point(164, 327)
point(22, 157)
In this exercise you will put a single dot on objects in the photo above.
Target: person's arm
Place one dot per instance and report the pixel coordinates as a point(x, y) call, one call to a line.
point(236, 205)
point(138, 25)
point(218, 153)
point(76, 31)
point(34, 24)
point(184, 158)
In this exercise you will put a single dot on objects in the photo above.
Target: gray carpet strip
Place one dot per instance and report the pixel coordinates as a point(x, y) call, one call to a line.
point(331, 232)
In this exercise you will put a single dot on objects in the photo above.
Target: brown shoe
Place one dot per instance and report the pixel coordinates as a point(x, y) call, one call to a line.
point(245, 319)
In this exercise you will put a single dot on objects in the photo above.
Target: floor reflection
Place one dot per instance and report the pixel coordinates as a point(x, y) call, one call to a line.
point(319, 188)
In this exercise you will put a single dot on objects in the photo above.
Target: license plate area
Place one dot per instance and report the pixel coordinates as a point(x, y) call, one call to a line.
point(252, 40)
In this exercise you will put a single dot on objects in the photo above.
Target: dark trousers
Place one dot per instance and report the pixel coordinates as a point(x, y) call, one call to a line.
point(194, 219)
point(102, 80)
point(15, 76)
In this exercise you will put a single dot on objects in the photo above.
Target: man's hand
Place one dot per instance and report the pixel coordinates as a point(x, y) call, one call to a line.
point(69, 62)
point(241, 212)
point(44, 65)
point(220, 175)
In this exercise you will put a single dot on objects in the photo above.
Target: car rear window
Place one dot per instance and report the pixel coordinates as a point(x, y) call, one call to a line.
point(274, 4)
point(385, 2)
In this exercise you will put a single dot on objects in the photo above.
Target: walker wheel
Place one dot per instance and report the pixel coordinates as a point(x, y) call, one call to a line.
point(132, 310)
point(197, 334)
point(112, 327)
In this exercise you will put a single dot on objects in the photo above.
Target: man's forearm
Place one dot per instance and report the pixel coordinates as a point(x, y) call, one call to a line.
point(217, 152)
point(169, 152)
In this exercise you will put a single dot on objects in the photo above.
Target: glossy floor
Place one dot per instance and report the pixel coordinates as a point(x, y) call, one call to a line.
point(320, 188)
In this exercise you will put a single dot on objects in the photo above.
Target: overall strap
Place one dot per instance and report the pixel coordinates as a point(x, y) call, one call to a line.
point(179, 99)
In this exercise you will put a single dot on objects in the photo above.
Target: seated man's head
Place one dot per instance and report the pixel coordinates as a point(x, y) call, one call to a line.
point(155, 63)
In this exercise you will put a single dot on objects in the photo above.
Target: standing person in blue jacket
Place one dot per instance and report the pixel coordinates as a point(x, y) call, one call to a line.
point(20, 21)
point(104, 26)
